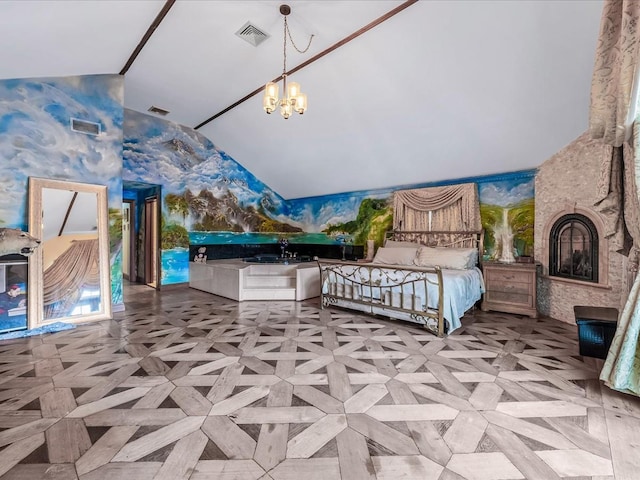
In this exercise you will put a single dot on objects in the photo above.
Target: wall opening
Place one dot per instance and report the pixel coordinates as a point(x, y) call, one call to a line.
point(574, 248)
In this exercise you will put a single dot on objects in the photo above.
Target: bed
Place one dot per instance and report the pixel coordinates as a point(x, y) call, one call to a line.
point(427, 277)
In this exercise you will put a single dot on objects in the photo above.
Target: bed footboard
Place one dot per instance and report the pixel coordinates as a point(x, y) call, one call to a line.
point(407, 293)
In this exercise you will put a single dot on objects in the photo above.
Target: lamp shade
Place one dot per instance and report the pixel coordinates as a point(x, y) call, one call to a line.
point(270, 97)
point(271, 89)
point(293, 90)
point(301, 103)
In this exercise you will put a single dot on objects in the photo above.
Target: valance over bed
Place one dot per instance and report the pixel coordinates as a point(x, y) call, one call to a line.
point(451, 207)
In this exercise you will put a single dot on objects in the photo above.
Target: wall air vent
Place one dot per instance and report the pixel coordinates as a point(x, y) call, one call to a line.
point(83, 126)
point(158, 110)
point(252, 34)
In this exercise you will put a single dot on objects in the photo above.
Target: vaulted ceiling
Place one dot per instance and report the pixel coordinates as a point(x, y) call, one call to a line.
point(440, 90)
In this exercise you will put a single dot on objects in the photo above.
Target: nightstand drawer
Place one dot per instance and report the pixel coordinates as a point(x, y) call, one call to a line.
point(515, 287)
point(523, 299)
point(508, 276)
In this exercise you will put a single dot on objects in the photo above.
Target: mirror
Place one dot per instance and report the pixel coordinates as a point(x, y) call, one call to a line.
point(69, 274)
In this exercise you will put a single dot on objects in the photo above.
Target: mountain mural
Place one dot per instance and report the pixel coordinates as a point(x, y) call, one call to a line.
point(209, 212)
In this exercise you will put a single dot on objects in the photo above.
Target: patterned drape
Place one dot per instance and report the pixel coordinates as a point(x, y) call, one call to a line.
point(612, 115)
point(452, 207)
point(74, 270)
point(612, 87)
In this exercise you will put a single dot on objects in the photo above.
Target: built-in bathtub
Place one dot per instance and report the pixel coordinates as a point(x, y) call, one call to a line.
point(239, 279)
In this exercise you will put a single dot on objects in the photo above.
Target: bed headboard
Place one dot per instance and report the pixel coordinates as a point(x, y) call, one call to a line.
point(455, 239)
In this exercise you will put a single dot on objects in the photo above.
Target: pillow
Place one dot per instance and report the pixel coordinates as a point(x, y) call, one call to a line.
point(398, 244)
point(452, 258)
point(395, 256)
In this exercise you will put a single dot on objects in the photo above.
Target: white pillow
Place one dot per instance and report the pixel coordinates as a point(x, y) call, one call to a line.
point(452, 258)
point(395, 256)
point(401, 244)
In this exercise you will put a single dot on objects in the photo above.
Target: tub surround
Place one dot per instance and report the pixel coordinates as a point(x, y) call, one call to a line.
point(240, 280)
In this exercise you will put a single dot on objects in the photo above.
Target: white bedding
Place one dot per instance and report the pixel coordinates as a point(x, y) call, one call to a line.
point(462, 289)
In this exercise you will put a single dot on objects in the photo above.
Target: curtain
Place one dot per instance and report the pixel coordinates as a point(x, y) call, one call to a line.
point(452, 207)
point(612, 114)
point(76, 269)
point(613, 95)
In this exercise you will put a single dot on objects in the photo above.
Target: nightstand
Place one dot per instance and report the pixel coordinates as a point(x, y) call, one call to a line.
point(510, 287)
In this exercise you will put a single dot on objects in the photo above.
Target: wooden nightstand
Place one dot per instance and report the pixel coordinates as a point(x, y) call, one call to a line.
point(510, 287)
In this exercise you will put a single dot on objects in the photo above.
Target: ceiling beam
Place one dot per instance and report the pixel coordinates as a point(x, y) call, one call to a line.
point(318, 56)
point(66, 215)
point(152, 28)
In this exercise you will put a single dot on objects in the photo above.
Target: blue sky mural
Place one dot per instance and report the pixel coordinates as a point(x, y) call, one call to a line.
point(508, 191)
point(314, 214)
point(179, 158)
point(36, 138)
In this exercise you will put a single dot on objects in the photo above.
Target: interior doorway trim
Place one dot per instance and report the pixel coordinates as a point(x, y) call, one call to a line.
point(153, 259)
point(131, 221)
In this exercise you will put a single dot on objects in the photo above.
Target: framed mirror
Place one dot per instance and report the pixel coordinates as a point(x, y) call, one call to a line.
point(69, 274)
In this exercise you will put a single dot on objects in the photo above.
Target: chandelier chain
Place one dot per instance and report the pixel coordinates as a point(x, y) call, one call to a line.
point(288, 32)
point(284, 36)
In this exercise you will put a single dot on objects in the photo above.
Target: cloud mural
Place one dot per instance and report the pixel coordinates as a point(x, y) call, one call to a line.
point(508, 191)
point(179, 158)
point(36, 138)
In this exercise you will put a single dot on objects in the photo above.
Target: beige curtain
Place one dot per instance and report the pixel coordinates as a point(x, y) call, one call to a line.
point(612, 115)
point(74, 270)
point(452, 207)
point(618, 198)
point(613, 99)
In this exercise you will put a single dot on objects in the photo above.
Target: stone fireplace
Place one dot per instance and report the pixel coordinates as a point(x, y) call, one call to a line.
point(573, 248)
point(578, 266)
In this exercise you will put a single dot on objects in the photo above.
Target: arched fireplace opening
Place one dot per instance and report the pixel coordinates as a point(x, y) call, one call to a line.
point(573, 252)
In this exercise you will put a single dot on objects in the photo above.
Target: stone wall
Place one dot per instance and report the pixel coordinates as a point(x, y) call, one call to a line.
point(566, 183)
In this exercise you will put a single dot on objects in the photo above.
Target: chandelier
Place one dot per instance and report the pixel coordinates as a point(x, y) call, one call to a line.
point(293, 100)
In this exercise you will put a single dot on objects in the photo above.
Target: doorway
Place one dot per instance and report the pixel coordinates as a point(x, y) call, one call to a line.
point(141, 233)
point(151, 241)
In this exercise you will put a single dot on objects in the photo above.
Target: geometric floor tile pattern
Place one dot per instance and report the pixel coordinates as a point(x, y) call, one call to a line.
point(186, 385)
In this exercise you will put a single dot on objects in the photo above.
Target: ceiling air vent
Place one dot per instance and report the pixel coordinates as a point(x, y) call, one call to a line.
point(252, 34)
point(158, 110)
point(83, 126)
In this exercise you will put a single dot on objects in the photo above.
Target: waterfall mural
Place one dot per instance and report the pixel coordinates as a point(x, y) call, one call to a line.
point(506, 239)
point(507, 212)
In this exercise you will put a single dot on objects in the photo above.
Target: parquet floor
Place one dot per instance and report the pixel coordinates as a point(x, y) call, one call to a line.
point(185, 385)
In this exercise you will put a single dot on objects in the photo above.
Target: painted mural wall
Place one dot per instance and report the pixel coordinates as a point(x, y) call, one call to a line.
point(506, 202)
point(208, 198)
point(36, 140)
point(203, 191)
